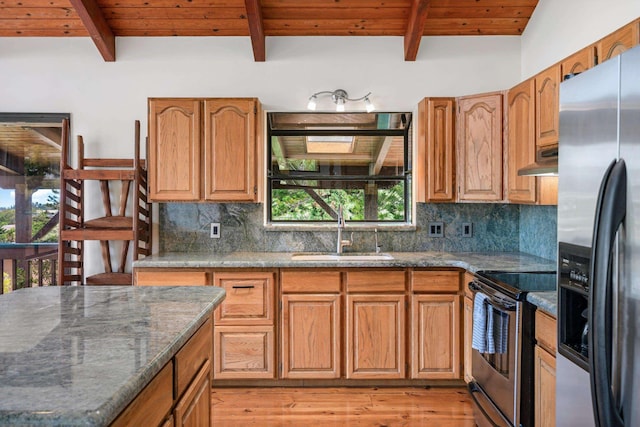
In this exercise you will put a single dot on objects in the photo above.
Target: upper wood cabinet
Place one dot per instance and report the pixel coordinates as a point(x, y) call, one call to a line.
point(579, 62)
point(436, 150)
point(229, 149)
point(479, 141)
point(195, 157)
point(521, 142)
point(174, 149)
point(619, 41)
point(547, 86)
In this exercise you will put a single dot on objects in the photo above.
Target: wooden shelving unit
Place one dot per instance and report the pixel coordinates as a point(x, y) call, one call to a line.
point(132, 230)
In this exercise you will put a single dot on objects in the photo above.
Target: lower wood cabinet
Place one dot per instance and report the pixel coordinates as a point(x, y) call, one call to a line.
point(375, 336)
point(185, 380)
point(244, 333)
point(194, 408)
point(545, 388)
point(544, 371)
point(435, 341)
point(311, 329)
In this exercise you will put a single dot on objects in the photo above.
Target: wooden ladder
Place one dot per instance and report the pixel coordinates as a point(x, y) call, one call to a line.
point(110, 228)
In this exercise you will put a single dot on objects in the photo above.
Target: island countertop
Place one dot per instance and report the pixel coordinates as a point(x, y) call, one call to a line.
point(471, 261)
point(79, 355)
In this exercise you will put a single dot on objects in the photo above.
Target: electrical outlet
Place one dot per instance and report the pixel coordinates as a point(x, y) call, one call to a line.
point(215, 230)
point(467, 229)
point(436, 229)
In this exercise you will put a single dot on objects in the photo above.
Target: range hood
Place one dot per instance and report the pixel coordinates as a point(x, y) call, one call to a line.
point(546, 163)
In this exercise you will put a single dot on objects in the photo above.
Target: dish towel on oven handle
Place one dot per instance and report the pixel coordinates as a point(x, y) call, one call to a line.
point(480, 313)
point(490, 330)
point(500, 331)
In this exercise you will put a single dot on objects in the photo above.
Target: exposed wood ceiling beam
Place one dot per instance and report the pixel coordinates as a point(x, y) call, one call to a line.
point(381, 155)
point(92, 18)
point(256, 28)
point(50, 136)
point(415, 28)
point(3, 168)
point(320, 201)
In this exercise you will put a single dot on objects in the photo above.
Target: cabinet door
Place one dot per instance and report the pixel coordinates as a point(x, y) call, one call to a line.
point(468, 337)
point(618, 41)
point(249, 299)
point(480, 147)
point(375, 336)
point(579, 62)
point(310, 336)
point(435, 338)
point(436, 132)
point(521, 142)
point(229, 149)
point(547, 106)
point(152, 405)
point(174, 149)
point(243, 352)
point(545, 388)
point(194, 408)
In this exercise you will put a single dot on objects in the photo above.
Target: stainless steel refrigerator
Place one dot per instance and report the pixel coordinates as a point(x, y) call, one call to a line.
point(598, 361)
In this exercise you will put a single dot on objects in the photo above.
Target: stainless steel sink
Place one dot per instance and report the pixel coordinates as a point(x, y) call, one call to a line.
point(341, 257)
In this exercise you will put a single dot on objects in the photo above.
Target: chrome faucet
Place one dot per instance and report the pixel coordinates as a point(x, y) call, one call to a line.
point(378, 247)
point(341, 225)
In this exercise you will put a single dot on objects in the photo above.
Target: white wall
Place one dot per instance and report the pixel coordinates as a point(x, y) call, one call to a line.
point(69, 75)
point(559, 28)
point(104, 99)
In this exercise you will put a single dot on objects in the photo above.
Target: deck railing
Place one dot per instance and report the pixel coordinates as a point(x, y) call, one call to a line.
point(26, 265)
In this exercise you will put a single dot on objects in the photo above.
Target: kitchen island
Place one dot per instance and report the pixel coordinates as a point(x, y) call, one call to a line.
point(80, 355)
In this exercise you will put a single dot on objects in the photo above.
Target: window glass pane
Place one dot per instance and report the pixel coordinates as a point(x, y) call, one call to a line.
point(299, 200)
point(320, 161)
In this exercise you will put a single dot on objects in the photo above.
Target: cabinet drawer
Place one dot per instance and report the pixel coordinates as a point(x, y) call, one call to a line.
point(376, 281)
point(310, 281)
point(172, 278)
point(153, 404)
point(546, 331)
point(243, 352)
point(249, 298)
point(192, 356)
point(435, 281)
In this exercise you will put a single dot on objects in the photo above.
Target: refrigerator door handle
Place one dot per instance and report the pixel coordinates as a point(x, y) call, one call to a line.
point(610, 212)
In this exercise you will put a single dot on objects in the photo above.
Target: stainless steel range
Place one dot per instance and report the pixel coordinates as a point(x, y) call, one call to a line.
point(502, 356)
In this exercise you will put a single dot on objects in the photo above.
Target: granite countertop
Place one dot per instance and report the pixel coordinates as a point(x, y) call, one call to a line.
point(471, 261)
point(79, 355)
point(546, 301)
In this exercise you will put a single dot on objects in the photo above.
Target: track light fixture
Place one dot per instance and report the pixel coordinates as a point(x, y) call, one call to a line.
point(340, 97)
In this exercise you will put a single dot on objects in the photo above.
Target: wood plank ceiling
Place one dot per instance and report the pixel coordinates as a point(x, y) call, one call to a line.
point(103, 20)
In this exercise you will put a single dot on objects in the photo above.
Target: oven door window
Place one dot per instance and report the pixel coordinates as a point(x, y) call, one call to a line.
point(502, 333)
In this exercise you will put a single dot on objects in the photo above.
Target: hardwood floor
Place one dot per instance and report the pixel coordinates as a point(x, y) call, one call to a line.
point(308, 407)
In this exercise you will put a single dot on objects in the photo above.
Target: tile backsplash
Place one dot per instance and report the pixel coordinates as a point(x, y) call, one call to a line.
point(184, 227)
point(539, 230)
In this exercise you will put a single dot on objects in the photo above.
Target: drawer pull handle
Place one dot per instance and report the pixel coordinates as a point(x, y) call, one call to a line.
point(243, 287)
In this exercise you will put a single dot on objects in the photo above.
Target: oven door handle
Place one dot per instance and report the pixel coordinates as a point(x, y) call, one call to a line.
point(501, 305)
point(498, 304)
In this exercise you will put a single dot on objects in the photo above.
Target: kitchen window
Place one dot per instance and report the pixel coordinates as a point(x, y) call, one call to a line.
point(321, 161)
